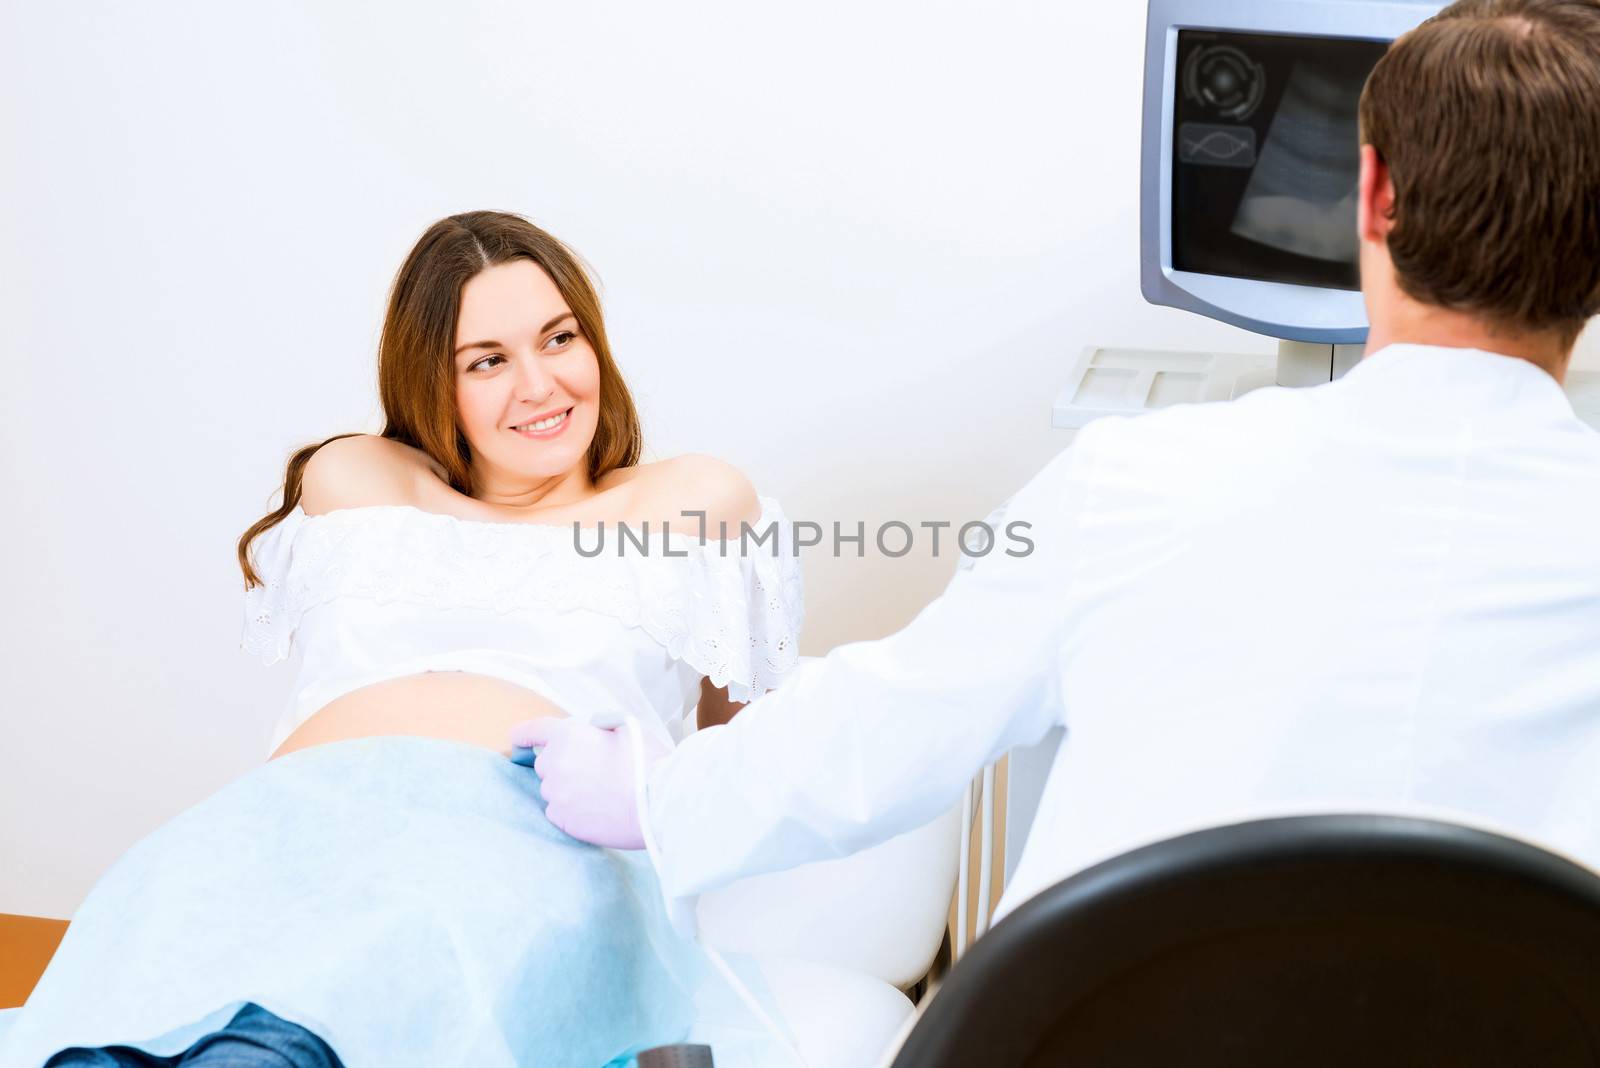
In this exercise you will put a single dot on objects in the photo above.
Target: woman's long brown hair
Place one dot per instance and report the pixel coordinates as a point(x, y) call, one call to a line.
point(416, 367)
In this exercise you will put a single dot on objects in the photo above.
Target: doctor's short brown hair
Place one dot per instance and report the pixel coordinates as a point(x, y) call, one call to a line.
point(1488, 117)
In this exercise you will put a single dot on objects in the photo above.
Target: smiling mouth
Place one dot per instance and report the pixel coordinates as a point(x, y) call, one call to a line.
point(544, 425)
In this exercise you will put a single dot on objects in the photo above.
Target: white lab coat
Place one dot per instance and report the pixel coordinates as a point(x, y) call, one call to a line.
point(1382, 594)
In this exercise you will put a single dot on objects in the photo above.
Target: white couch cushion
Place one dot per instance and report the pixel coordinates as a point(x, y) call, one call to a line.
point(839, 1018)
point(881, 911)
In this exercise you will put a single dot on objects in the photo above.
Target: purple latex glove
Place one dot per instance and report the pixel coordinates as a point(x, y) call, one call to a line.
point(588, 777)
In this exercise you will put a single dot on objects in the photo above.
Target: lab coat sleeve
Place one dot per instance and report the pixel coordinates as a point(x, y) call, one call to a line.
point(880, 737)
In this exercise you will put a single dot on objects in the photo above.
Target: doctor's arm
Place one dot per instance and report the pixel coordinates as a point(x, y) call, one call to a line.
point(879, 737)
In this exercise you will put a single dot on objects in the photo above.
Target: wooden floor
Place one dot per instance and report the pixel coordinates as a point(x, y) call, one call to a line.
point(26, 946)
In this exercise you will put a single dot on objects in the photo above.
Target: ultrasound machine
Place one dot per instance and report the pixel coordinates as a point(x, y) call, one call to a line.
point(1248, 212)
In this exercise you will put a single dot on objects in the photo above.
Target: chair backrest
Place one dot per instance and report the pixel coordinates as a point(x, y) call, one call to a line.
point(1310, 940)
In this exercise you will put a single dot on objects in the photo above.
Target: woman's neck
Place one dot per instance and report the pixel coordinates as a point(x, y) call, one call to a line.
point(519, 495)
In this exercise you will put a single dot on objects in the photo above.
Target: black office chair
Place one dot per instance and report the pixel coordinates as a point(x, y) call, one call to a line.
point(1357, 941)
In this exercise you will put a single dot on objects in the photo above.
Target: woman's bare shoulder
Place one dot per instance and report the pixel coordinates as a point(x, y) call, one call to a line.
point(695, 482)
point(361, 470)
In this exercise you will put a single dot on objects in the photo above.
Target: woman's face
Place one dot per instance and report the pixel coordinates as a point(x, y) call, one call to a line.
point(520, 361)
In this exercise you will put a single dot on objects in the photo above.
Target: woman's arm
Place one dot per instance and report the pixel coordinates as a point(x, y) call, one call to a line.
point(715, 707)
point(723, 498)
point(355, 471)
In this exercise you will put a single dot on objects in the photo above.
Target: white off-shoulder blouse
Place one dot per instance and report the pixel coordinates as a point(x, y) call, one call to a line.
point(377, 592)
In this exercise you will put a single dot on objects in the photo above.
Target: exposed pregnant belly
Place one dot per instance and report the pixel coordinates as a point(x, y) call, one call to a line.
point(437, 704)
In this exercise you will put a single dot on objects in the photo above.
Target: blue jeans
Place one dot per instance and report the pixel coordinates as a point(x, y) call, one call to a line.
point(254, 1038)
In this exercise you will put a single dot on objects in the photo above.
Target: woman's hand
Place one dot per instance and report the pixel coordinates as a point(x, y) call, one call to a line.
point(587, 777)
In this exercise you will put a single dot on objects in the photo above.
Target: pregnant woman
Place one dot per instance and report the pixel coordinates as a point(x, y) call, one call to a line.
point(385, 889)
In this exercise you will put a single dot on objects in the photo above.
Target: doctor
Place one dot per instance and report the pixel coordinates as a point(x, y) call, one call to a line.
point(1378, 594)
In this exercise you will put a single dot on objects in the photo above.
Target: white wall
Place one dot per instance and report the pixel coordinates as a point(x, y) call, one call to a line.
point(848, 247)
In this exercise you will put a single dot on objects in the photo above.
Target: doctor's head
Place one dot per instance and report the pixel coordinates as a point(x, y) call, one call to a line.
point(1480, 175)
point(494, 359)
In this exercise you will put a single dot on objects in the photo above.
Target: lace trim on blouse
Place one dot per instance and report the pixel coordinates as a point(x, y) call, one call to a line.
point(734, 618)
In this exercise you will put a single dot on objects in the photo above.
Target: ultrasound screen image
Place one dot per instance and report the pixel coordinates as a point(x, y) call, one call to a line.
point(1266, 151)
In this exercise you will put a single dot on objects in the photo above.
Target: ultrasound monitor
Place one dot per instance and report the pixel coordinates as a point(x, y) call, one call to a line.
point(1250, 158)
